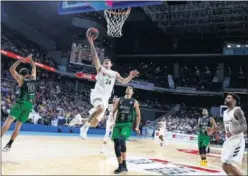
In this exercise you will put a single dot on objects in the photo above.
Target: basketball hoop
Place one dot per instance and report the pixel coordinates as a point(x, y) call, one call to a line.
point(115, 20)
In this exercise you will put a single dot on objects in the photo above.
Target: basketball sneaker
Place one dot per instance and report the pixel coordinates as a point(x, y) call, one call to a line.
point(119, 169)
point(83, 133)
point(83, 136)
point(6, 148)
point(124, 167)
point(205, 163)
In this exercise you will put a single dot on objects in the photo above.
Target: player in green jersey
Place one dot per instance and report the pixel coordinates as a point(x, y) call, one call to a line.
point(205, 124)
point(128, 110)
point(24, 103)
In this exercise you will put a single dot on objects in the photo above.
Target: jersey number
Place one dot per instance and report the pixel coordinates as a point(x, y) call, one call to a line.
point(31, 87)
point(108, 81)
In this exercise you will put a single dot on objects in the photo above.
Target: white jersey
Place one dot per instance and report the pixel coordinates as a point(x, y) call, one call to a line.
point(230, 123)
point(105, 81)
point(162, 126)
point(234, 146)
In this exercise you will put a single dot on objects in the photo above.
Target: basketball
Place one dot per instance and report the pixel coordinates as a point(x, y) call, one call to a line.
point(217, 137)
point(93, 32)
point(210, 130)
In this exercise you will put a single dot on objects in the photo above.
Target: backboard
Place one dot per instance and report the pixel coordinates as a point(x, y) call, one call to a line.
point(74, 7)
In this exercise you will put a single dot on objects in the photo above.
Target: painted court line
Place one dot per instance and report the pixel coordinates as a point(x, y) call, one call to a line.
point(195, 152)
point(188, 166)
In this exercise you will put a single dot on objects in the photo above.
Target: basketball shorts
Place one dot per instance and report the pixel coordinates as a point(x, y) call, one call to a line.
point(97, 99)
point(20, 111)
point(161, 132)
point(122, 130)
point(203, 141)
point(233, 150)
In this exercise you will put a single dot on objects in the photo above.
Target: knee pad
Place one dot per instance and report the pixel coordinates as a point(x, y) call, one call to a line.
point(117, 148)
point(123, 145)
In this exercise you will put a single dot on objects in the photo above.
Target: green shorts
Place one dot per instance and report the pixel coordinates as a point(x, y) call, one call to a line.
point(122, 130)
point(203, 141)
point(20, 111)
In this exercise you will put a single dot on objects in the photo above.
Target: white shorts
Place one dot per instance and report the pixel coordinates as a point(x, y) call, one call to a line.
point(97, 99)
point(233, 150)
point(161, 132)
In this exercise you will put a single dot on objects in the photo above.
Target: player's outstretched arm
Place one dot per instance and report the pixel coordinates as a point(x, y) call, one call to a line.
point(240, 117)
point(14, 73)
point(94, 54)
point(126, 80)
point(29, 58)
point(138, 117)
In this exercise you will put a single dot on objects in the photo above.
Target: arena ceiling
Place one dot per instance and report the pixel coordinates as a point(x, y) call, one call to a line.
point(173, 20)
point(223, 18)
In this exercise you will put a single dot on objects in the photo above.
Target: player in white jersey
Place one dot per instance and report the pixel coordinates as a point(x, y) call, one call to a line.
point(109, 125)
point(234, 145)
point(162, 130)
point(105, 81)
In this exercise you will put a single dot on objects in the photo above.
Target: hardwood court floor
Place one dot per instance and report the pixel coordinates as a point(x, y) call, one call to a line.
point(70, 155)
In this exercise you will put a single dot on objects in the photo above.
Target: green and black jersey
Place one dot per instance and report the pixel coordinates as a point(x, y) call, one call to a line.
point(126, 111)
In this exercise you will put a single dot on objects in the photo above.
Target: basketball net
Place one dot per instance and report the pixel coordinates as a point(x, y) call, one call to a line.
point(115, 20)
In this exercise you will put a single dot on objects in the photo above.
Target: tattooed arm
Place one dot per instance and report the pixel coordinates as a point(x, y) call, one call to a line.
point(94, 55)
point(239, 116)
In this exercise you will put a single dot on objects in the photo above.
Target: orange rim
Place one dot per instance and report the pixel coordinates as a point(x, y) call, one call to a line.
point(120, 13)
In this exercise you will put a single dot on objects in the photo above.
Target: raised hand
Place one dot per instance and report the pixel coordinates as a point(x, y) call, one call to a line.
point(90, 39)
point(134, 73)
point(28, 59)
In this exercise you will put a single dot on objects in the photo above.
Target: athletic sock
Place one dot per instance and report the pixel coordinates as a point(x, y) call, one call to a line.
point(124, 163)
point(120, 165)
point(10, 142)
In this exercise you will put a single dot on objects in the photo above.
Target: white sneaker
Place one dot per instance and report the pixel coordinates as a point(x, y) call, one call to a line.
point(6, 149)
point(83, 133)
point(83, 136)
